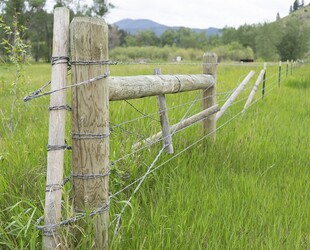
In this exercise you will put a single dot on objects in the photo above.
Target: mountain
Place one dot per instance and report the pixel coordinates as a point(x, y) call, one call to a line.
point(133, 26)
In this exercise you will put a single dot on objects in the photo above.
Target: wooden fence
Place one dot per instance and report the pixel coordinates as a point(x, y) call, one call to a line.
point(90, 117)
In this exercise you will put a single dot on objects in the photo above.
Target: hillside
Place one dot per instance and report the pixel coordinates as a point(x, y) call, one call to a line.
point(133, 26)
point(302, 14)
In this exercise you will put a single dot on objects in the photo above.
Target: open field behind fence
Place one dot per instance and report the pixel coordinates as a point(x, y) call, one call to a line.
point(248, 190)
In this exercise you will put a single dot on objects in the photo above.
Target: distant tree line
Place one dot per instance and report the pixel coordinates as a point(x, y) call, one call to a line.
point(267, 41)
point(32, 15)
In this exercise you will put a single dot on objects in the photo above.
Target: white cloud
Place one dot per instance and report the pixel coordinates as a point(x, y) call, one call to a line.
point(200, 13)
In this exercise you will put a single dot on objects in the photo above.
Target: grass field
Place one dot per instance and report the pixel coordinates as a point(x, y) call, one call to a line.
point(250, 190)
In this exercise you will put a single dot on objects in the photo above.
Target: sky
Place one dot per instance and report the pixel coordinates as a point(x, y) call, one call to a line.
point(200, 13)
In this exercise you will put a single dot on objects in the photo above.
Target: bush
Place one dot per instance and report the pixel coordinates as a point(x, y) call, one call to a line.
point(152, 53)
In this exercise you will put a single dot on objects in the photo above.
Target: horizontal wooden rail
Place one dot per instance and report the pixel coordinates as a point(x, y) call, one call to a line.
point(181, 125)
point(132, 87)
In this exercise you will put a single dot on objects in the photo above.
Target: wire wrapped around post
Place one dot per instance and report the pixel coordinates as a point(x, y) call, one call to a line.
point(56, 139)
point(209, 95)
point(90, 122)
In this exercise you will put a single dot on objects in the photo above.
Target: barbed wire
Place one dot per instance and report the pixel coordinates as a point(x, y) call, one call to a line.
point(152, 143)
point(118, 217)
point(48, 229)
point(188, 147)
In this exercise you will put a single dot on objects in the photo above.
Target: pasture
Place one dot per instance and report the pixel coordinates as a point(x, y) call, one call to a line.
point(248, 191)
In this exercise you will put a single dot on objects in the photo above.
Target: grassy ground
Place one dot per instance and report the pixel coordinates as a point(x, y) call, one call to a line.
point(248, 191)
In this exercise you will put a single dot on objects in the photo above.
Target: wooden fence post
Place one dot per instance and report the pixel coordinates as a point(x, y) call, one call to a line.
point(90, 123)
point(287, 62)
point(254, 90)
point(234, 95)
point(291, 67)
point(56, 135)
point(164, 121)
point(264, 80)
point(209, 95)
point(280, 71)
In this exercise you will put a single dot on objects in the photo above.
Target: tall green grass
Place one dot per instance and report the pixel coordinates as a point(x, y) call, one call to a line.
point(248, 191)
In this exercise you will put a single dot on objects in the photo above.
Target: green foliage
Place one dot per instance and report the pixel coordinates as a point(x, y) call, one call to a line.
point(17, 51)
point(147, 53)
point(295, 40)
point(233, 52)
point(182, 38)
point(267, 41)
point(143, 38)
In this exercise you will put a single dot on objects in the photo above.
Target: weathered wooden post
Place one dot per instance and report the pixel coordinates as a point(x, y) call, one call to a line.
point(254, 90)
point(56, 135)
point(234, 95)
point(164, 121)
point(209, 95)
point(291, 67)
point(90, 123)
point(287, 62)
point(264, 80)
point(279, 78)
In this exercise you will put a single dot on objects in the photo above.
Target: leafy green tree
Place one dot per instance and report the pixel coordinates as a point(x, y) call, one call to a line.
point(213, 41)
point(266, 41)
point(294, 42)
point(142, 38)
point(169, 37)
point(185, 38)
point(246, 35)
point(229, 35)
point(40, 34)
point(147, 38)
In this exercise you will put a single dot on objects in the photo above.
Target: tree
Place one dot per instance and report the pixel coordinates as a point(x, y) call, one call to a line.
point(40, 34)
point(169, 37)
point(246, 35)
point(267, 40)
point(142, 38)
point(99, 8)
point(229, 35)
point(294, 42)
point(296, 5)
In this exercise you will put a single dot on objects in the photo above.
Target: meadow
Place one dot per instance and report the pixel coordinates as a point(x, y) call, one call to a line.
point(250, 190)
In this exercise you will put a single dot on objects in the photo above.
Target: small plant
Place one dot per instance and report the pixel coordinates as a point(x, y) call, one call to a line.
point(17, 50)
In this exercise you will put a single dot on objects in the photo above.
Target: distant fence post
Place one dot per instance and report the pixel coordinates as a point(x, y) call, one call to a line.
point(264, 80)
point(209, 95)
point(56, 135)
point(280, 71)
point(291, 67)
point(164, 120)
point(287, 63)
point(90, 123)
